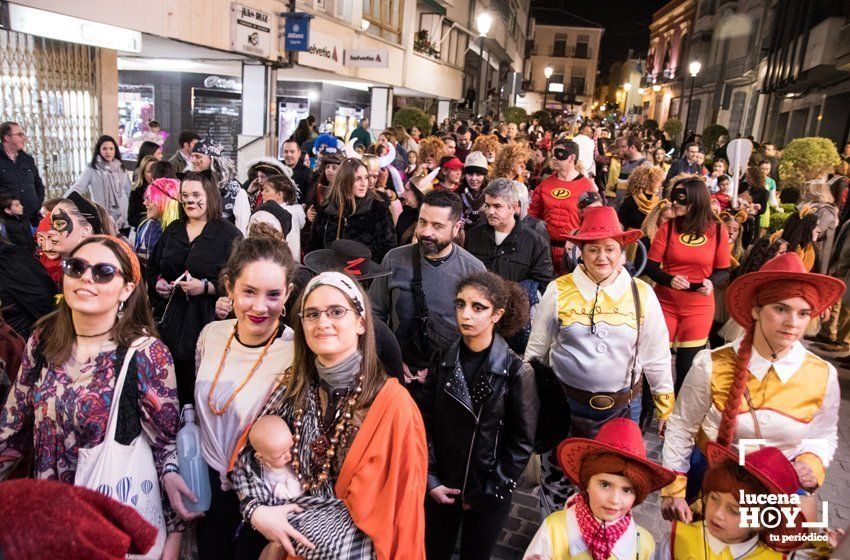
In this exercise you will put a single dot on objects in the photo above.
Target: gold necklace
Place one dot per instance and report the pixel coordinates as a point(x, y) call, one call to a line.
point(323, 448)
point(219, 411)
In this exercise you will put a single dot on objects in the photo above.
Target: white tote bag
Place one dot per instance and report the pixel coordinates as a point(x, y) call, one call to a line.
point(125, 473)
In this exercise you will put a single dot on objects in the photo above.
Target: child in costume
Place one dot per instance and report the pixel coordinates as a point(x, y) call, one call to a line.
point(719, 536)
point(614, 475)
point(272, 441)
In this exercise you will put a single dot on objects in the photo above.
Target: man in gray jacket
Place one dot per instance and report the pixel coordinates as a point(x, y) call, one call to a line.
point(441, 265)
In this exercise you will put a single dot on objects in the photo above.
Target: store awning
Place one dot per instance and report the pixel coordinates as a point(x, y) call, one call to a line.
point(433, 5)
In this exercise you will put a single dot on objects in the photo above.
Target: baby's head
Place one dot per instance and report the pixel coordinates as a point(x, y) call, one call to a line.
point(272, 441)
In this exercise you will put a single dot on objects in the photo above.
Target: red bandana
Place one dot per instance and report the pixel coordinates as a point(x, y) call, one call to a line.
point(599, 536)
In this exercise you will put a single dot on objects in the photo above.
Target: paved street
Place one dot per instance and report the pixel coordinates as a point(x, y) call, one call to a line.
point(836, 491)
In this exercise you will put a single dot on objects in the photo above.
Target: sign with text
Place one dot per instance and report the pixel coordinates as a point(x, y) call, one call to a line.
point(325, 52)
point(367, 58)
point(251, 31)
point(297, 32)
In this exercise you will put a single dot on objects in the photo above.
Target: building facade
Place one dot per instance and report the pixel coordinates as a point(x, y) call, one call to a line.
point(570, 47)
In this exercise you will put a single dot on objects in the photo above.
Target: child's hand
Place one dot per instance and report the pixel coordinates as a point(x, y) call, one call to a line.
point(676, 509)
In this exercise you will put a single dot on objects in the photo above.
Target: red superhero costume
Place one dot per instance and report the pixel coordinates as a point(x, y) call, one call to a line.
point(556, 202)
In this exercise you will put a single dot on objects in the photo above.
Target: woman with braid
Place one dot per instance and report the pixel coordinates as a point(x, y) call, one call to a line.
point(765, 385)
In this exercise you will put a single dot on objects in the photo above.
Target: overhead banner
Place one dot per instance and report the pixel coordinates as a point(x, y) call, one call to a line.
point(297, 31)
point(251, 31)
point(367, 58)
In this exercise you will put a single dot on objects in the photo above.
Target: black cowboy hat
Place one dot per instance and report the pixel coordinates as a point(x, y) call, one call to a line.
point(345, 255)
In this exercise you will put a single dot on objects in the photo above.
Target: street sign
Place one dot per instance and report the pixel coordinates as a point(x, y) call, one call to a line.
point(739, 152)
point(297, 31)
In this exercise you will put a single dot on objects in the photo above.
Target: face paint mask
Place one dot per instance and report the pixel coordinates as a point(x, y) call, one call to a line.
point(61, 222)
point(560, 154)
point(680, 196)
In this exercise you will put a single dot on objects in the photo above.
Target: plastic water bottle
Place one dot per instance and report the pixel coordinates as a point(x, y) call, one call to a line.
point(191, 462)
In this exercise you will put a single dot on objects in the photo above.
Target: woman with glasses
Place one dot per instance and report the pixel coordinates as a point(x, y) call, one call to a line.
point(239, 364)
point(61, 399)
point(600, 331)
point(358, 435)
point(183, 270)
point(688, 256)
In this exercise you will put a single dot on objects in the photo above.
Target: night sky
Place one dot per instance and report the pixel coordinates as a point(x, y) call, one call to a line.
point(626, 23)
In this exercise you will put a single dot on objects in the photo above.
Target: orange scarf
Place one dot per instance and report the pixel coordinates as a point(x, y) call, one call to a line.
point(383, 477)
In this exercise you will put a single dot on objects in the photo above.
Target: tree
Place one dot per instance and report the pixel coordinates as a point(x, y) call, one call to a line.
point(673, 127)
point(515, 115)
point(545, 118)
point(807, 159)
point(711, 134)
point(411, 116)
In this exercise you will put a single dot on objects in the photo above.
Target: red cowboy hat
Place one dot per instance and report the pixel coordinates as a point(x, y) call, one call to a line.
point(770, 467)
point(740, 295)
point(620, 436)
point(601, 222)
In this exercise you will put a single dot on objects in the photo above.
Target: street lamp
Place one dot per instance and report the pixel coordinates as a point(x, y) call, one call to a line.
point(641, 91)
point(656, 88)
point(484, 21)
point(694, 67)
point(548, 73)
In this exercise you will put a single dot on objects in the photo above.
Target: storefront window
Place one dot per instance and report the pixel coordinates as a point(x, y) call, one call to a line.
point(215, 115)
point(135, 110)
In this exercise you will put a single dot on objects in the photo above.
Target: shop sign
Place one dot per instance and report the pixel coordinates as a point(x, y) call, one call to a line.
point(325, 52)
point(251, 31)
point(42, 23)
point(367, 58)
point(217, 82)
point(297, 31)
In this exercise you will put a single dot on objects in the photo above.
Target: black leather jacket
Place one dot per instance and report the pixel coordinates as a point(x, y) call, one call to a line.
point(483, 454)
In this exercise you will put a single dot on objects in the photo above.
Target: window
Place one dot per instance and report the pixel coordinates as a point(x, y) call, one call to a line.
point(557, 74)
point(583, 46)
point(560, 46)
point(384, 17)
point(577, 85)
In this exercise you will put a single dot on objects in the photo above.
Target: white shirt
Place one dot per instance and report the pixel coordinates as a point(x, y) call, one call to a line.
point(220, 433)
point(242, 211)
point(501, 236)
point(695, 409)
point(282, 482)
point(299, 220)
point(736, 550)
point(653, 347)
point(586, 147)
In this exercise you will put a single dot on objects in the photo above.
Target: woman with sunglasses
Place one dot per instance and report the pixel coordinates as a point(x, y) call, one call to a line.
point(586, 330)
point(480, 402)
point(239, 363)
point(61, 399)
point(183, 270)
point(358, 435)
point(555, 200)
point(688, 256)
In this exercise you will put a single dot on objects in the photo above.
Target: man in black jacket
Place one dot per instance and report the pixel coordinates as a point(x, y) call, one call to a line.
point(504, 244)
point(18, 174)
point(302, 176)
point(688, 163)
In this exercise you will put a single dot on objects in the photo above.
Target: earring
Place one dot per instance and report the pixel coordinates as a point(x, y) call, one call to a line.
point(120, 310)
point(283, 313)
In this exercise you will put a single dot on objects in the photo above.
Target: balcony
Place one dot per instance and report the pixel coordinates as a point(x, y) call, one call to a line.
point(580, 51)
point(423, 44)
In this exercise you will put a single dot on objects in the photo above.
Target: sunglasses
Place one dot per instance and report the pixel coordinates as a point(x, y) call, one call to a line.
point(101, 273)
point(560, 154)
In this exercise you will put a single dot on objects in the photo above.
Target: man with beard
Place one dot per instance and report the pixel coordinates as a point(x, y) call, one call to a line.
point(301, 174)
point(417, 300)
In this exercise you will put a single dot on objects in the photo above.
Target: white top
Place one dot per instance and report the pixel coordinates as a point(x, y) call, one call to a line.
point(501, 236)
point(736, 550)
point(654, 347)
point(695, 408)
point(282, 482)
point(541, 544)
point(219, 434)
point(242, 211)
point(586, 147)
point(299, 220)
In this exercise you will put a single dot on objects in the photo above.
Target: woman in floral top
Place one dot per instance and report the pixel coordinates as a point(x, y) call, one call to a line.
point(61, 399)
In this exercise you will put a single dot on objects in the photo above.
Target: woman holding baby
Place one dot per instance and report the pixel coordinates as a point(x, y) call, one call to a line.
point(358, 448)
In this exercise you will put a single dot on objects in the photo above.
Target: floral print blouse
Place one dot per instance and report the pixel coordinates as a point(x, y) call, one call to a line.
point(63, 408)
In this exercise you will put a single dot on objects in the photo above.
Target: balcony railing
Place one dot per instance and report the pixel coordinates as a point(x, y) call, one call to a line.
point(581, 51)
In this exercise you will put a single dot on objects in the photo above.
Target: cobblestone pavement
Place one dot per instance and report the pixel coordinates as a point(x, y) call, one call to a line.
point(525, 518)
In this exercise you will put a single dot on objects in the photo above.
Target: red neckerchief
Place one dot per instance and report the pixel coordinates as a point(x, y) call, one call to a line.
point(599, 536)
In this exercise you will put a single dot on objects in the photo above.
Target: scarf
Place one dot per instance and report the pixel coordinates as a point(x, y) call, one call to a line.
point(342, 374)
point(599, 536)
point(645, 205)
point(110, 174)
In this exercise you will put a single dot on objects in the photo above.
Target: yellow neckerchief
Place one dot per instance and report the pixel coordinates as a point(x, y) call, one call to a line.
point(645, 205)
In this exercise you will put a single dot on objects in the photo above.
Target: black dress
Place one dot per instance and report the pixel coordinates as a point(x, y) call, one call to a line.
point(185, 316)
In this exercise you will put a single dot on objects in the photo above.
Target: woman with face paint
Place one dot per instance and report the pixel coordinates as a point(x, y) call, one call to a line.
point(183, 271)
point(74, 219)
point(358, 435)
point(61, 400)
point(488, 410)
point(105, 182)
point(601, 332)
point(688, 256)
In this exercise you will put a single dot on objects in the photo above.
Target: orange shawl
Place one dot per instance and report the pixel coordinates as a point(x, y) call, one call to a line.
point(383, 477)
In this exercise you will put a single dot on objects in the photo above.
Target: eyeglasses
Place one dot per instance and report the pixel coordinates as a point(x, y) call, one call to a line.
point(334, 313)
point(101, 273)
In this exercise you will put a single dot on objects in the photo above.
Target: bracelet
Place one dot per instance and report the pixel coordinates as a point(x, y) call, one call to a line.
point(170, 468)
point(206, 286)
point(249, 510)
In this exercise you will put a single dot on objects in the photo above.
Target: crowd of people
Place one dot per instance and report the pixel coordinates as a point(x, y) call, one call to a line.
point(381, 335)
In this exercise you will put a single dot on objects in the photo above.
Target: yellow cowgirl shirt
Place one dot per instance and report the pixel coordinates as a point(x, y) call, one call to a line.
point(795, 401)
point(692, 541)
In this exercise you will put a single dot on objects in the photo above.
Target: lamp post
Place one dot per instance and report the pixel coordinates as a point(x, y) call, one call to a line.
point(483, 22)
point(694, 68)
point(548, 73)
point(627, 87)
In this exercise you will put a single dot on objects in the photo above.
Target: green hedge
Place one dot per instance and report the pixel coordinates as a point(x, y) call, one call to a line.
point(516, 115)
point(411, 116)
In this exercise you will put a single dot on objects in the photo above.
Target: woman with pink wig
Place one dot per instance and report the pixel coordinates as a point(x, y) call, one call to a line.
point(161, 208)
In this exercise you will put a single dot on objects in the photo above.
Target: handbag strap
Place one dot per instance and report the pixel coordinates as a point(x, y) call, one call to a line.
point(418, 288)
point(638, 317)
point(112, 422)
